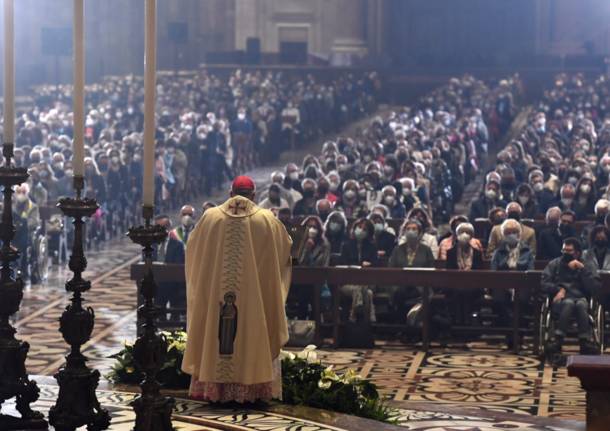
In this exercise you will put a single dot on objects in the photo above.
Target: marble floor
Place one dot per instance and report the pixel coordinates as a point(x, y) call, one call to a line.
point(196, 416)
point(479, 378)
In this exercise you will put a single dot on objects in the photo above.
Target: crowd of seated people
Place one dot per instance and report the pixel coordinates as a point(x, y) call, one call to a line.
point(381, 193)
point(209, 128)
point(378, 196)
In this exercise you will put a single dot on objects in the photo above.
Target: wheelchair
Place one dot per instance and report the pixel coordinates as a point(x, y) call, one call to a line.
point(546, 325)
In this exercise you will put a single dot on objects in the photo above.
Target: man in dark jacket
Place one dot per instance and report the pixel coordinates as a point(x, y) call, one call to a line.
point(559, 226)
point(570, 282)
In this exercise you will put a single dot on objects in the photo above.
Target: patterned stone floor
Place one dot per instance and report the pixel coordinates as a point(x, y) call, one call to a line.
point(195, 416)
point(476, 375)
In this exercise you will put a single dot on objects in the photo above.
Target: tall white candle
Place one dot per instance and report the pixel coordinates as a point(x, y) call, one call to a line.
point(9, 73)
point(78, 157)
point(150, 68)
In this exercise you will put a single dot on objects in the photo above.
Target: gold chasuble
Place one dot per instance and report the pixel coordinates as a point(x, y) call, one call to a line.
point(238, 271)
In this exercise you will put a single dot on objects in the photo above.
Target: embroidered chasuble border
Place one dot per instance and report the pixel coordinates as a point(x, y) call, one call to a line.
point(235, 237)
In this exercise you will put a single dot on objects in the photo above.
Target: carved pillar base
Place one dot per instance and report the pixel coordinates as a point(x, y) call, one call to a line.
point(77, 403)
point(14, 380)
point(153, 411)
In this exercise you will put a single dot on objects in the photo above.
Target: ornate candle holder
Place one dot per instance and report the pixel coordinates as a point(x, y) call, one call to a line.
point(153, 411)
point(77, 403)
point(14, 380)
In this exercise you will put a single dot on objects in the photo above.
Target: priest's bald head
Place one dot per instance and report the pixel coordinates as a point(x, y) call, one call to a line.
point(243, 186)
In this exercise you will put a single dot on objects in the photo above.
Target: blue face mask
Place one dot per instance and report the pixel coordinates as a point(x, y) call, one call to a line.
point(360, 234)
point(512, 240)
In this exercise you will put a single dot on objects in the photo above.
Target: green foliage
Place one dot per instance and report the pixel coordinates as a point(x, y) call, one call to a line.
point(305, 381)
point(310, 384)
point(170, 375)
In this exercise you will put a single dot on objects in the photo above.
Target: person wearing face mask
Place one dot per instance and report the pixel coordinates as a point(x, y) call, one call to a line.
point(507, 184)
point(411, 252)
point(315, 253)
point(598, 253)
point(323, 209)
point(465, 255)
point(360, 249)
point(527, 198)
point(277, 178)
point(448, 243)
point(527, 234)
point(584, 198)
point(512, 254)
point(558, 226)
point(408, 197)
point(284, 215)
point(603, 171)
point(273, 199)
point(489, 198)
point(292, 182)
point(351, 203)
point(242, 128)
point(307, 205)
point(335, 231)
point(570, 282)
point(27, 220)
point(601, 210)
point(178, 237)
point(324, 192)
point(545, 197)
point(384, 238)
point(566, 195)
point(428, 236)
point(389, 199)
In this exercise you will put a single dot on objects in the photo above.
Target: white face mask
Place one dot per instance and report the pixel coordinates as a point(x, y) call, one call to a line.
point(333, 186)
point(490, 194)
point(241, 116)
point(349, 194)
point(334, 226)
point(538, 187)
point(585, 188)
point(312, 232)
point(406, 192)
point(22, 197)
point(187, 221)
point(567, 202)
point(463, 238)
point(294, 176)
point(523, 199)
point(389, 200)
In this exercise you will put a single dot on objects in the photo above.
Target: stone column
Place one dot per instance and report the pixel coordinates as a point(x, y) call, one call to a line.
point(246, 20)
point(350, 41)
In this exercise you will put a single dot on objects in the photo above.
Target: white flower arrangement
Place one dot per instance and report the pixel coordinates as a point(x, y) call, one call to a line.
point(308, 354)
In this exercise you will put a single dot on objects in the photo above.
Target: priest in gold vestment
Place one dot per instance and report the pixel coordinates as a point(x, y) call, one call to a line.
point(238, 270)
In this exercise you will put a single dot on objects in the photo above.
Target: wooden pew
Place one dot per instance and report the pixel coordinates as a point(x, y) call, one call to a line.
point(427, 278)
point(335, 277)
point(594, 375)
point(538, 264)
